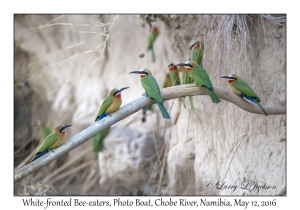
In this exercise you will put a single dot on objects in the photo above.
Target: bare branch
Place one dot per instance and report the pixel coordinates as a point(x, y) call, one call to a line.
point(132, 107)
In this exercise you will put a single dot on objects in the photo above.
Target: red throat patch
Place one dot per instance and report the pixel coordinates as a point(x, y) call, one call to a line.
point(63, 132)
point(118, 95)
point(188, 68)
point(142, 75)
point(196, 46)
point(230, 80)
point(172, 68)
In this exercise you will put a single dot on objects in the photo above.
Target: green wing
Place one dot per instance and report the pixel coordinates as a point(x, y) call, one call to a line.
point(151, 87)
point(200, 76)
point(45, 131)
point(98, 140)
point(175, 77)
point(244, 88)
point(49, 140)
point(186, 79)
point(106, 103)
point(196, 55)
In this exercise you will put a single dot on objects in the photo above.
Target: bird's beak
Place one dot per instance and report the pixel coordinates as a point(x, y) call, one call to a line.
point(184, 65)
point(138, 72)
point(64, 127)
point(227, 77)
point(134, 72)
point(120, 90)
point(171, 64)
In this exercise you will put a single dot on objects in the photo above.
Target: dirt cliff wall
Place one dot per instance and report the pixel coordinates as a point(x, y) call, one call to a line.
point(71, 69)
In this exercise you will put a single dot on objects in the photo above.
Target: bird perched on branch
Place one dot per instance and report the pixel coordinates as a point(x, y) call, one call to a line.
point(110, 104)
point(167, 83)
point(152, 37)
point(45, 131)
point(174, 74)
point(196, 55)
point(238, 86)
point(200, 76)
point(151, 87)
point(53, 140)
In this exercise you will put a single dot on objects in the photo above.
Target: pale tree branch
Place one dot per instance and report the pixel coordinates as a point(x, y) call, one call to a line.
point(132, 107)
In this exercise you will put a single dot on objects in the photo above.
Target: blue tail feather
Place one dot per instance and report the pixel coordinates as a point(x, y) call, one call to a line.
point(101, 116)
point(39, 154)
point(254, 101)
point(242, 95)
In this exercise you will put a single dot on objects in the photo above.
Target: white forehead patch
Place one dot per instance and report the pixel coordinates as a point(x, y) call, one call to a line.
point(231, 75)
point(143, 69)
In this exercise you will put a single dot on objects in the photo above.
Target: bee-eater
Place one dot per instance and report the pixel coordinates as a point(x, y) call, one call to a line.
point(98, 141)
point(186, 79)
point(45, 131)
point(111, 103)
point(174, 74)
point(152, 37)
point(200, 76)
point(197, 52)
point(242, 89)
point(167, 83)
point(17, 84)
point(151, 87)
point(53, 140)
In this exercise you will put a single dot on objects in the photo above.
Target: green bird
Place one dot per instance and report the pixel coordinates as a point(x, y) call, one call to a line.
point(186, 79)
point(167, 83)
point(200, 76)
point(196, 55)
point(151, 87)
point(197, 52)
point(110, 104)
point(53, 140)
point(238, 86)
point(174, 74)
point(152, 37)
point(98, 141)
point(18, 85)
point(45, 131)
